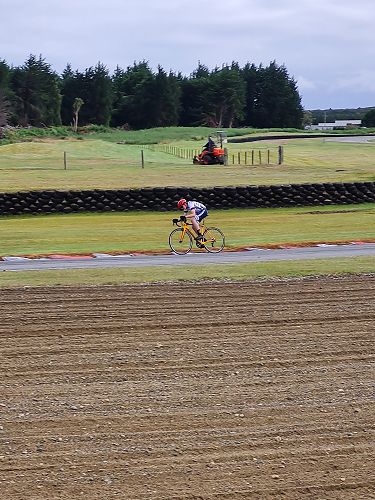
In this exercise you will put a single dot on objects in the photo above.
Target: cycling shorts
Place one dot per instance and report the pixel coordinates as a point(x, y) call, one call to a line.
point(201, 215)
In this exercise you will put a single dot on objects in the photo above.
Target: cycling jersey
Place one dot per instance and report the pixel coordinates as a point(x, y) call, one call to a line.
point(200, 209)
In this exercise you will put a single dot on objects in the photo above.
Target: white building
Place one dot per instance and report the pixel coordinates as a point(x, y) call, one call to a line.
point(335, 124)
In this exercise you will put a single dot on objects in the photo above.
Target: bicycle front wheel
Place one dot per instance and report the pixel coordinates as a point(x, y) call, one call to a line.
point(214, 240)
point(180, 244)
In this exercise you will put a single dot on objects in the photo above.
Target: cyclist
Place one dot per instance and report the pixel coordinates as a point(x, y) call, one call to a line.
point(195, 211)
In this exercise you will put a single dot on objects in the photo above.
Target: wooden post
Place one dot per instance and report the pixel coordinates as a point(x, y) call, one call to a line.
point(239, 157)
point(225, 156)
point(260, 157)
point(245, 157)
point(281, 155)
point(64, 160)
point(142, 159)
point(268, 156)
point(252, 157)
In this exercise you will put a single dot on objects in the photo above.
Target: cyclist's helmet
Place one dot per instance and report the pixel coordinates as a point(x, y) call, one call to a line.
point(181, 203)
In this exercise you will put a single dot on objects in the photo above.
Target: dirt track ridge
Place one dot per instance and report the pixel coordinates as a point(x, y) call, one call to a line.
point(244, 390)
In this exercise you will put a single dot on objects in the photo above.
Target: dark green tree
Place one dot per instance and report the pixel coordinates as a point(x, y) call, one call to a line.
point(5, 94)
point(94, 88)
point(307, 119)
point(164, 94)
point(369, 119)
point(37, 93)
point(224, 97)
point(71, 87)
point(215, 98)
point(97, 96)
point(277, 103)
point(192, 101)
point(133, 96)
point(250, 77)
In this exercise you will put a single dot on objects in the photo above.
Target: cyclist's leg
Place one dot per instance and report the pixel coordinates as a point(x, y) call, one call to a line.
point(196, 222)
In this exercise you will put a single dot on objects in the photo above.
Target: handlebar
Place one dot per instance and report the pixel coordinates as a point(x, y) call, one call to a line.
point(181, 219)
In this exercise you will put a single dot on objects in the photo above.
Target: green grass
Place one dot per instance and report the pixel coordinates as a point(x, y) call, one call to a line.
point(254, 270)
point(148, 231)
point(98, 161)
point(145, 136)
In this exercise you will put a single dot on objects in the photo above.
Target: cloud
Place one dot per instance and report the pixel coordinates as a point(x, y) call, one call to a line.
point(329, 43)
point(305, 83)
point(363, 81)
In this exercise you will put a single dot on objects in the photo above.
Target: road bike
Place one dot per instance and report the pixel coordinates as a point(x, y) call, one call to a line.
point(182, 238)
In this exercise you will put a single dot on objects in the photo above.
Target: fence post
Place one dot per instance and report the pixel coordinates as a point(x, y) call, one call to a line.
point(252, 157)
point(225, 156)
point(268, 156)
point(260, 157)
point(281, 155)
point(142, 159)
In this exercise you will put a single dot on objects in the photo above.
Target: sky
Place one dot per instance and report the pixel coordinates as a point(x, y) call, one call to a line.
point(327, 46)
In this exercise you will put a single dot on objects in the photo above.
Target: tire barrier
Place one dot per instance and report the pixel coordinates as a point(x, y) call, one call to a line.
point(165, 198)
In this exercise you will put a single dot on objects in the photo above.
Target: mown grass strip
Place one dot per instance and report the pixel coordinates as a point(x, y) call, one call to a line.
point(95, 162)
point(148, 231)
point(233, 272)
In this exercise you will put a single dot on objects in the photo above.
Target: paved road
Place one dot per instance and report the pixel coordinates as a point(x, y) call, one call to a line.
point(253, 255)
point(359, 138)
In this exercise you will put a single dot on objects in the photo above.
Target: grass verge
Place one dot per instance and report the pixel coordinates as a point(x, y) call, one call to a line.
point(148, 231)
point(97, 163)
point(232, 272)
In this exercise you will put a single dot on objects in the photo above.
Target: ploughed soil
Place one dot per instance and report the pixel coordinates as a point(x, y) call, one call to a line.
point(214, 390)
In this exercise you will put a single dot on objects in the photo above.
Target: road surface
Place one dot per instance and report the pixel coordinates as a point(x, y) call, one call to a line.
point(251, 255)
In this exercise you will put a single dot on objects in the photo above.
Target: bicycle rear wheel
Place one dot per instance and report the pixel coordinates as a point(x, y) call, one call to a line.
point(214, 240)
point(178, 245)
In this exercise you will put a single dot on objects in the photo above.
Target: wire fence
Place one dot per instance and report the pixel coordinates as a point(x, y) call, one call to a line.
point(255, 156)
point(184, 153)
point(68, 161)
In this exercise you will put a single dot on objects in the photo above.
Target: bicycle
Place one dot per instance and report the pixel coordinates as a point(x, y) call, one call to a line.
point(181, 239)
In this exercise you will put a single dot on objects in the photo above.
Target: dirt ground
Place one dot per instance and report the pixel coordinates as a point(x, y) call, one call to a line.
point(262, 391)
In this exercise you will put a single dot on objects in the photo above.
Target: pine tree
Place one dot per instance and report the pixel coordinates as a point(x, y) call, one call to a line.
point(37, 93)
point(5, 94)
point(277, 103)
point(225, 97)
point(369, 119)
point(133, 96)
point(250, 76)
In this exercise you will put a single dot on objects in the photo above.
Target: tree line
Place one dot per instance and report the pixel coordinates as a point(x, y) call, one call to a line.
point(138, 97)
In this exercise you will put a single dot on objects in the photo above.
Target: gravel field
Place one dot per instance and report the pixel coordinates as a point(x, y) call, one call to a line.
point(216, 390)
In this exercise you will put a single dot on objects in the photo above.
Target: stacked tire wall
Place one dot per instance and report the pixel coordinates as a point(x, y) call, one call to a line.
point(164, 199)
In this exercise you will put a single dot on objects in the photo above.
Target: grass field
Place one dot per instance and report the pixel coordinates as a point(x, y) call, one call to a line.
point(98, 161)
point(148, 231)
point(111, 160)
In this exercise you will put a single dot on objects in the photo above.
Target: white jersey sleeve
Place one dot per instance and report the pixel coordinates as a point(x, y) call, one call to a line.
point(199, 207)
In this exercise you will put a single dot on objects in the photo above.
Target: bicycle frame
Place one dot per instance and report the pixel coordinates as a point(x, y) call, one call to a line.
point(186, 229)
point(212, 239)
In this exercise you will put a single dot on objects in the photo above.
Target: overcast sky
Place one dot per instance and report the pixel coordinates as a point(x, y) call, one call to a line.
point(328, 46)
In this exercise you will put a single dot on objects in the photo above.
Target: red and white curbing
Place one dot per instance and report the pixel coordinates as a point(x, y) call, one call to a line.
point(106, 256)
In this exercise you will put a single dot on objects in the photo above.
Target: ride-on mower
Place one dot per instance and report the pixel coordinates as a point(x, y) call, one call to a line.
point(211, 154)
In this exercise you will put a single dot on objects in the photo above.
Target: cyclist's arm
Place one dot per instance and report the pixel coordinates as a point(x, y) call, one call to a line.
point(191, 215)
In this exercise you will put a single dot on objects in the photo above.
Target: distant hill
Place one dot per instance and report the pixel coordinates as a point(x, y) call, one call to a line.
point(330, 115)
